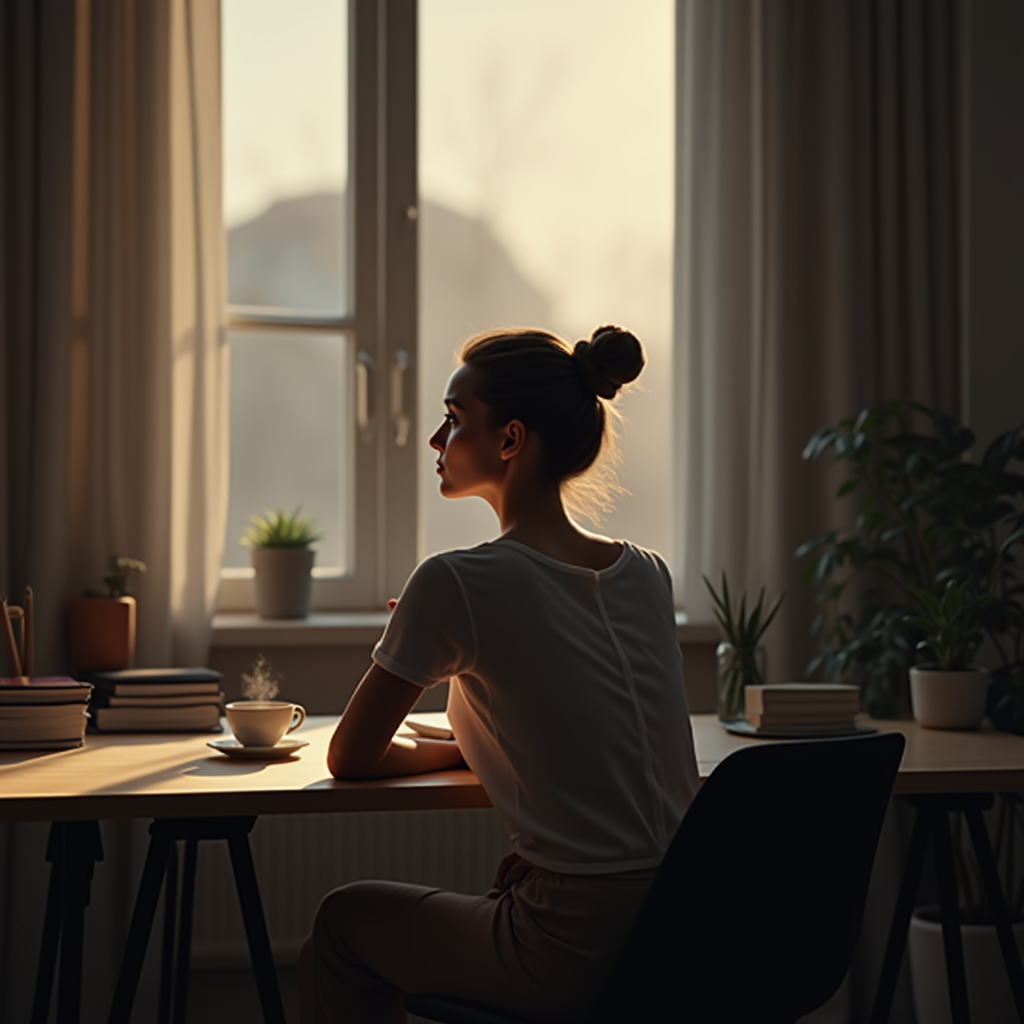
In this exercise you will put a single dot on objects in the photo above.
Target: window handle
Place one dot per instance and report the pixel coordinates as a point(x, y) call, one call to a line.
point(398, 375)
point(364, 367)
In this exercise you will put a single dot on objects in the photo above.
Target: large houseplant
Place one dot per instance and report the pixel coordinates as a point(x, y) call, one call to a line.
point(282, 559)
point(101, 625)
point(923, 515)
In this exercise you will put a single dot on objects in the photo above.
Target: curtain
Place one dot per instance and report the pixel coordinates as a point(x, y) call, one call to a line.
point(818, 267)
point(114, 391)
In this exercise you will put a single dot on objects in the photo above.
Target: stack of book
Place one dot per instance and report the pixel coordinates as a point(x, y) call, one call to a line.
point(803, 709)
point(42, 713)
point(156, 700)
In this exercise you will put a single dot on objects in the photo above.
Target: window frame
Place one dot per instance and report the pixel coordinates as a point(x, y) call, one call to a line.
point(383, 203)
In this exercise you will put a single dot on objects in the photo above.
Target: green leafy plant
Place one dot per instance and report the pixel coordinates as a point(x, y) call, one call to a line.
point(923, 516)
point(280, 530)
point(119, 569)
point(951, 623)
point(744, 632)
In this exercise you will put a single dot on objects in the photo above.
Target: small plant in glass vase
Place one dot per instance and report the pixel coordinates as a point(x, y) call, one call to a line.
point(742, 660)
point(282, 560)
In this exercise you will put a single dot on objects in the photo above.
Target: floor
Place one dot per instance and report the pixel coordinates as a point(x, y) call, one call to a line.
point(222, 996)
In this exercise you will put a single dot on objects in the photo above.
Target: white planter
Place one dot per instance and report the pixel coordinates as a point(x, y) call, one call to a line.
point(283, 581)
point(988, 991)
point(949, 700)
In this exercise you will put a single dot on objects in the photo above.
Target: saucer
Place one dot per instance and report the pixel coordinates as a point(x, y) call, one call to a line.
point(233, 748)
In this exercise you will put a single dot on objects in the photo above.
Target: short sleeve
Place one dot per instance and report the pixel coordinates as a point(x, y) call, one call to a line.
point(431, 636)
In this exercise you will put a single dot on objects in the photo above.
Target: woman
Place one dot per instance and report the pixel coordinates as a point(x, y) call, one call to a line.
point(566, 699)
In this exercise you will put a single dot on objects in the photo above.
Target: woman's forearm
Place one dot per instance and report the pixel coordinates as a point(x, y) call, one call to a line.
point(405, 755)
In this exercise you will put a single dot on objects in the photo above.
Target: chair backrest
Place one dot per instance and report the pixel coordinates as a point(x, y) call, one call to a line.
point(755, 911)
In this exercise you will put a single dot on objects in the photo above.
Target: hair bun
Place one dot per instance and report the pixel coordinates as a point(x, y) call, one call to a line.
point(611, 358)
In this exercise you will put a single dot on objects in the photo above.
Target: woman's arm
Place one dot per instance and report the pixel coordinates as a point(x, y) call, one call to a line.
point(364, 745)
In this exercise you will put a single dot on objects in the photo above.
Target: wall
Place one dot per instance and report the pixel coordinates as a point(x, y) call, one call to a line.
point(995, 228)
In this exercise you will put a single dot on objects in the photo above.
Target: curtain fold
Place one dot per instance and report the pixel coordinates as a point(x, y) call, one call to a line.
point(818, 266)
point(113, 300)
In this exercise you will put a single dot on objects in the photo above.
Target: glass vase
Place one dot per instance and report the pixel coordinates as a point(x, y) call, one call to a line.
point(738, 668)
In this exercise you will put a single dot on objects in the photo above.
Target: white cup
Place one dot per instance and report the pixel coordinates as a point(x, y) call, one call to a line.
point(263, 723)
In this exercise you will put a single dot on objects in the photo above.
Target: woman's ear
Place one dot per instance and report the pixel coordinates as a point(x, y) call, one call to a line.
point(514, 439)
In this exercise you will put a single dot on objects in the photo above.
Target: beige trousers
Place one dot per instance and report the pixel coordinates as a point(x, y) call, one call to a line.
point(538, 944)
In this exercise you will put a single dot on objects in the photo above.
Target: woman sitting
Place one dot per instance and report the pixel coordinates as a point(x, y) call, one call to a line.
point(566, 700)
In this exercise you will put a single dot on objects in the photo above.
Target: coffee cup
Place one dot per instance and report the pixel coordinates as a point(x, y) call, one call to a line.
point(263, 723)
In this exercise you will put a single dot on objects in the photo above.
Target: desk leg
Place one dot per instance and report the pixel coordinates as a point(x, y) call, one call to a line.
point(997, 901)
point(72, 849)
point(142, 922)
point(188, 897)
point(897, 942)
point(256, 929)
point(163, 1013)
point(949, 911)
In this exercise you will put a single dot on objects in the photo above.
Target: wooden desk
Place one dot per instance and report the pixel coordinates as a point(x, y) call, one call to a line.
point(177, 775)
point(935, 761)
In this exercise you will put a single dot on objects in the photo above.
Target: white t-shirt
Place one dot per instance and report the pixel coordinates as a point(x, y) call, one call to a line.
point(566, 696)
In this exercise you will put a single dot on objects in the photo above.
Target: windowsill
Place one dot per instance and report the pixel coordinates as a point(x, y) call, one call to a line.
point(359, 629)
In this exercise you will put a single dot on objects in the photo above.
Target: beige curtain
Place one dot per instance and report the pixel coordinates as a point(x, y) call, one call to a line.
point(818, 266)
point(114, 324)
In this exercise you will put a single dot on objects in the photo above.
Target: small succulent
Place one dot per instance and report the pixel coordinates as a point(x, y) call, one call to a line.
point(119, 568)
point(280, 530)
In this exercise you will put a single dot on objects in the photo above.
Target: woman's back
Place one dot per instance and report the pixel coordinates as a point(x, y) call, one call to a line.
point(567, 698)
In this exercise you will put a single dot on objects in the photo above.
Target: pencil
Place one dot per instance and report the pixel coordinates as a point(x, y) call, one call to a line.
point(27, 638)
point(12, 649)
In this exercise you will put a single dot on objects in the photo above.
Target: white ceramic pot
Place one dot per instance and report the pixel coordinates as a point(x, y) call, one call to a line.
point(949, 700)
point(283, 581)
point(988, 991)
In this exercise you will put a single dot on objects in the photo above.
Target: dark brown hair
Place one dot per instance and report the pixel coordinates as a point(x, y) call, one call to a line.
point(561, 392)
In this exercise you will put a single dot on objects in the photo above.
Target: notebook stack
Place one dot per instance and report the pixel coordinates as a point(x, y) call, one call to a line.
point(157, 700)
point(42, 713)
point(803, 709)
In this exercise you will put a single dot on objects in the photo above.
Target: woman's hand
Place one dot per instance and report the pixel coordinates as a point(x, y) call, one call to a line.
point(364, 744)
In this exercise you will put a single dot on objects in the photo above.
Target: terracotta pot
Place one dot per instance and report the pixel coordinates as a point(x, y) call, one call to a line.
point(283, 581)
point(101, 631)
point(988, 992)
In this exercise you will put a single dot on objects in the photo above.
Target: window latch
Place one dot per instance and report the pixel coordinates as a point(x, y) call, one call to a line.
point(401, 418)
point(364, 420)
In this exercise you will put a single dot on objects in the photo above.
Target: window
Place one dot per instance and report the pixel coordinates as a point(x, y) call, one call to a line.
point(542, 134)
point(320, 231)
point(546, 162)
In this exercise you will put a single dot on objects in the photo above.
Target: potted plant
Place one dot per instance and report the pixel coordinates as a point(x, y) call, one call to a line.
point(282, 559)
point(948, 691)
point(742, 660)
point(922, 515)
point(101, 626)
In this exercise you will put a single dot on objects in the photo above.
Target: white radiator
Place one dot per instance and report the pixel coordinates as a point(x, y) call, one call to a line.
point(300, 858)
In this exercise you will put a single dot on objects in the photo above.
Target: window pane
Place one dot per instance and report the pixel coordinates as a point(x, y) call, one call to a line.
point(285, 137)
point(546, 174)
point(291, 437)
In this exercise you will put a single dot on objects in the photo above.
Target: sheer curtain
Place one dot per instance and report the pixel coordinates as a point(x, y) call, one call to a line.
point(818, 265)
point(115, 428)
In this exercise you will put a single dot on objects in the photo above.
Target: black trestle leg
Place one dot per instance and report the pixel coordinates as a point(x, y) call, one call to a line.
point(73, 849)
point(897, 941)
point(188, 895)
point(163, 1014)
point(141, 925)
point(997, 902)
point(952, 940)
point(256, 929)
point(51, 925)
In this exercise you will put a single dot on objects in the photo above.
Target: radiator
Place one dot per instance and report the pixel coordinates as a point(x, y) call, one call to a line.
point(300, 858)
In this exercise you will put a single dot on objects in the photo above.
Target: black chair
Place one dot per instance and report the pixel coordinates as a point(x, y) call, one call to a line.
point(754, 913)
